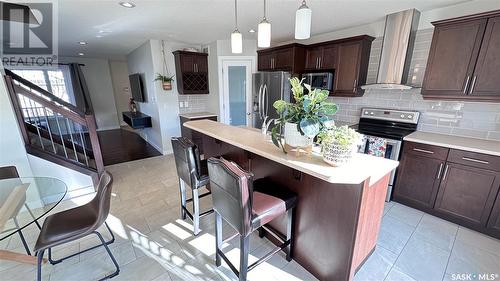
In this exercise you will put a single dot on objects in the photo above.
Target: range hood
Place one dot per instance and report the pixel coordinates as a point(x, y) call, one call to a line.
point(397, 49)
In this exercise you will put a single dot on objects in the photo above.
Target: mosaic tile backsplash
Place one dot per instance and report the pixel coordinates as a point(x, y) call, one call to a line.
point(468, 119)
point(196, 103)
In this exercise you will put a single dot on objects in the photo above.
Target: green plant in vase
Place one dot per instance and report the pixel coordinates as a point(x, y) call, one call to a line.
point(338, 144)
point(166, 81)
point(308, 115)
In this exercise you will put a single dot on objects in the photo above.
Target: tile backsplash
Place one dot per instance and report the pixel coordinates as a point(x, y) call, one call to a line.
point(195, 103)
point(469, 119)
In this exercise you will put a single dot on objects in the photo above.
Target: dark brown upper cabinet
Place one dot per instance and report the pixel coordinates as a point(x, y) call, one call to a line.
point(283, 58)
point(351, 67)
point(464, 59)
point(494, 220)
point(191, 70)
point(321, 57)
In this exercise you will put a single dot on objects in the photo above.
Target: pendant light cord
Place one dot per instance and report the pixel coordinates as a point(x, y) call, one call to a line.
point(236, 14)
point(265, 9)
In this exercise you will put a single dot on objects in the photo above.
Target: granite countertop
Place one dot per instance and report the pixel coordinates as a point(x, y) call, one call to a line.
point(490, 147)
point(362, 167)
point(196, 115)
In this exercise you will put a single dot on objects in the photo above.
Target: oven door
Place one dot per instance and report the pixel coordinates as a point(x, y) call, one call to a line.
point(392, 151)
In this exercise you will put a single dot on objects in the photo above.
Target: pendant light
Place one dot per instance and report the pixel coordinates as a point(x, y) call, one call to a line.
point(236, 37)
point(264, 35)
point(303, 22)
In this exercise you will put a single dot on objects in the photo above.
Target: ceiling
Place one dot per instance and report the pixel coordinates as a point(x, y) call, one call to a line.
point(112, 30)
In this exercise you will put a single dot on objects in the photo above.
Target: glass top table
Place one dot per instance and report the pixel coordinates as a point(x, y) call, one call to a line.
point(25, 200)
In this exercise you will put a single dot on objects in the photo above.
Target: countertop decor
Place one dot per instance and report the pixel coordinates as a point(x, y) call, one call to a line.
point(303, 119)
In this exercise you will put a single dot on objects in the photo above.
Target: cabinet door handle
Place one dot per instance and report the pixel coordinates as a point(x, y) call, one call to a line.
point(439, 171)
point(316, 63)
point(475, 160)
point(473, 84)
point(319, 62)
point(423, 150)
point(445, 172)
point(466, 84)
point(355, 85)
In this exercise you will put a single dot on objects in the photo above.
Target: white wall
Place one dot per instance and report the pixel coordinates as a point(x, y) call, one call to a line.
point(121, 87)
point(217, 49)
point(12, 152)
point(98, 78)
point(162, 106)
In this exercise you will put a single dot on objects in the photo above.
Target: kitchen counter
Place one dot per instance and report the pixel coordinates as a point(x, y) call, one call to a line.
point(362, 167)
point(197, 115)
point(462, 143)
point(339, 210)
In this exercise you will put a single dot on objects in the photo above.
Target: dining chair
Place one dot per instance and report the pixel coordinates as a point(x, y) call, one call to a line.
point(10, 172)
point(193, 172)
point(70, 225)
point(248, 205)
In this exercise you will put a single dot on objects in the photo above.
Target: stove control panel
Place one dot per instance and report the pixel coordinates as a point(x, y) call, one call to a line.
point(391, 115)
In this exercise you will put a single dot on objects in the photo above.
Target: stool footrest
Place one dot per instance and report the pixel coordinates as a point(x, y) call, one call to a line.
point(200, 196)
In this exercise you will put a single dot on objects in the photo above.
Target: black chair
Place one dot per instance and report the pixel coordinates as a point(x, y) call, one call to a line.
point(248, 205)
point(10, 172)
point(73, 224)
point(193, 172)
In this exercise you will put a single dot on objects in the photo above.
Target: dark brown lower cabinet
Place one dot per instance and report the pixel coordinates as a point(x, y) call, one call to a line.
point(418, 181)
point(459, 186)
point(466, 194)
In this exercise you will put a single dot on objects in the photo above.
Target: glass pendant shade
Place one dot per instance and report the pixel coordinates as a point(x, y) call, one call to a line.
point(236, 42)
point(303, 18)
point(264, 35)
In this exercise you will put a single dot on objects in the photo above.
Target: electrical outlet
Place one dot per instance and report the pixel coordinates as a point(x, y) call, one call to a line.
point(186, 104)
point(181, 104)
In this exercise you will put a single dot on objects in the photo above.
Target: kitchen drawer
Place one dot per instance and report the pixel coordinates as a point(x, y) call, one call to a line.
point(474, 159)
point(426, 150)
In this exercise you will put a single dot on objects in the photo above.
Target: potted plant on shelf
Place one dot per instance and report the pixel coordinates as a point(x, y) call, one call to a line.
point(338, 144)
point(302, 120)
point(166, 81)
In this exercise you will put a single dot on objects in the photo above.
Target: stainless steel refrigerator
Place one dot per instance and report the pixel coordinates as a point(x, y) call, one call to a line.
point(268, 87)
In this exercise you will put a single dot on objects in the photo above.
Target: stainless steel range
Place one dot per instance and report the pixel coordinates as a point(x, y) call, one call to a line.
point(384, 130)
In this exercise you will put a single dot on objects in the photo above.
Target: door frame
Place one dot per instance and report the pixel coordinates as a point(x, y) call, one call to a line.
point(223, 95)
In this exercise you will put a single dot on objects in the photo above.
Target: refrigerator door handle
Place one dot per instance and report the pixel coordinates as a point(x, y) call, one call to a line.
point(265, 101)
point(260, 100)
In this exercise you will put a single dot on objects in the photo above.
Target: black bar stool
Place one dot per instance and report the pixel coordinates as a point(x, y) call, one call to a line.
point(193, 172)
point(247, 206)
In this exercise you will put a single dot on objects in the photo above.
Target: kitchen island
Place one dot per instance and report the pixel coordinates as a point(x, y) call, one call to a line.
point(339, 210)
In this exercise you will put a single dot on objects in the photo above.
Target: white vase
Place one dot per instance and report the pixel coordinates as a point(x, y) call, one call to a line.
point(294, 138)
point(337, 155)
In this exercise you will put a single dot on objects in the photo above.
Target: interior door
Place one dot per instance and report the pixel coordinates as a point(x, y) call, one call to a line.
point(237, 96)
point(485, 81)
point(452, 57)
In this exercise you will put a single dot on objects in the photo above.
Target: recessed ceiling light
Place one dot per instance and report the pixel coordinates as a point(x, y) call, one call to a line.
point(82, 43)
point(252, 30)
point(127, 4)
point(98, 36)
point(81, 54)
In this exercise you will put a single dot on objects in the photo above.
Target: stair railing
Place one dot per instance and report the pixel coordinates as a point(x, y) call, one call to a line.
point(53, 128)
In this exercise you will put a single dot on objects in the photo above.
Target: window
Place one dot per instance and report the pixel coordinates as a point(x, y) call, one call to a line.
point(56, 81)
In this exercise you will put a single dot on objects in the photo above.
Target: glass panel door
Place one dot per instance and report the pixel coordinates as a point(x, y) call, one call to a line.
point(237, 76)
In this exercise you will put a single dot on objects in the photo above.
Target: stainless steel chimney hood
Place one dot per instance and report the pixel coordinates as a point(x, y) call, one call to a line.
point(397, 49)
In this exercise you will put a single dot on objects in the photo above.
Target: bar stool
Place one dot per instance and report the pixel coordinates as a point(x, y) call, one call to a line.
point(247, 205)
point(193, 172)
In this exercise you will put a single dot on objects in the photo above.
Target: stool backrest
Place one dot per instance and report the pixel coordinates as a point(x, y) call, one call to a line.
point(231, 189)
point(187, 159)
point(8, 172)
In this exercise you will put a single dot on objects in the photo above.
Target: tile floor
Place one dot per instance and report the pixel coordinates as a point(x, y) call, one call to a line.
point(154, 244)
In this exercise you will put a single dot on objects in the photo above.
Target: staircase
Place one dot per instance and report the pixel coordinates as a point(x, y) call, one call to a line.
point(54, 129)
